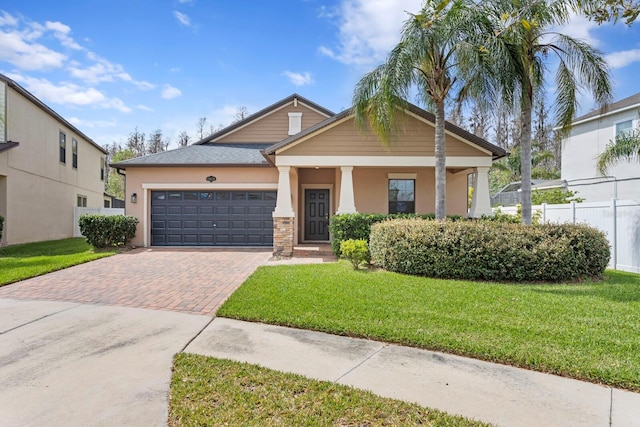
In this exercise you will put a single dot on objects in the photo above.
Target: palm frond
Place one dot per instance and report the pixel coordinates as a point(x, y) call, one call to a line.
point(624, 147)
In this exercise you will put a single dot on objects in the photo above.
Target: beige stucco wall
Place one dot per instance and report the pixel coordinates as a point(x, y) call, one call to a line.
point(41, 192)
point(185, 178)
point(370, 186)
point(275, 126)
point(416, 138)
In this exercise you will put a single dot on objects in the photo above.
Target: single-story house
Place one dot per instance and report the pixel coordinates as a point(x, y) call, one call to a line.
point(276, 177)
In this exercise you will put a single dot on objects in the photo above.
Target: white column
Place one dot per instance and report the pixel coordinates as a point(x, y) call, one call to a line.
point(347, 202)
point(481, 200)
point(283, 202)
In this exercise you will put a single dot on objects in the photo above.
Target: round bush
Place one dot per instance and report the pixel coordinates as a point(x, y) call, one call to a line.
point(482, 250)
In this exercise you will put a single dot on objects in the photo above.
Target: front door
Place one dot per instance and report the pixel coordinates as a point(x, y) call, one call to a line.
point(316, 215)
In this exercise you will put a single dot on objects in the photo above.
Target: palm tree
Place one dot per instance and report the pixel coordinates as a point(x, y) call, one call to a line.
point(511, 166)
point(626, 146)
point(435, 55)
point(524, 29)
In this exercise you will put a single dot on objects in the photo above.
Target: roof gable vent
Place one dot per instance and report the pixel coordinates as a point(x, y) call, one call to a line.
point(295, 123)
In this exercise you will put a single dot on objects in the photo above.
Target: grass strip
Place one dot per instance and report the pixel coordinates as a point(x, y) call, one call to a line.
point(587, 331)
point(19, 262)
point(209, 391)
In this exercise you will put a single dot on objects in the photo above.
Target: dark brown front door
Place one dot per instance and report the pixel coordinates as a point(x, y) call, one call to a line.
point(316, 217)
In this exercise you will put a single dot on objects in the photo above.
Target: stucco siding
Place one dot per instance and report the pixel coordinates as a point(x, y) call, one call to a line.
point(273, 127)
point(370, 186)
point(416, 138)
point(187, 178)
point(41, 192)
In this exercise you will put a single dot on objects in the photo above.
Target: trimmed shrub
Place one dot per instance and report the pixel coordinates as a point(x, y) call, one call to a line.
point(104, 231)
point(356, 251)
point(358, 226)
point(495, 251)
point(1, 225)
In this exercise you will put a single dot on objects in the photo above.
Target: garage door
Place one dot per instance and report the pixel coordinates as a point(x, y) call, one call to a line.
point(212, 218)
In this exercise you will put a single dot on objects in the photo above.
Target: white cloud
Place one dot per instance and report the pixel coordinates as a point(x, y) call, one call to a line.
point(8, 20)
point(104, 71)
point(170, 92)
point(580, 28)
point(369, 29)
point(299, 79)
point(92, 123)
point(182, 18)
point(623, 58)
point(68, 94)
point(144, 107)
point(28, 56)
point(61, 32)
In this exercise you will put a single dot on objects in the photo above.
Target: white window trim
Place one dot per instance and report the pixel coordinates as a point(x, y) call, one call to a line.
point(632, 119)
point(402, 175)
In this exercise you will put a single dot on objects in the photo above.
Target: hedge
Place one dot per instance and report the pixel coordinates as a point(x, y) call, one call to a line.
point(358, 226)
point(104, 231)
point(482, 250)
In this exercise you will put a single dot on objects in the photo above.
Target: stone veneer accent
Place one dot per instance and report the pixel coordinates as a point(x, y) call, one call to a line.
point(283, 236)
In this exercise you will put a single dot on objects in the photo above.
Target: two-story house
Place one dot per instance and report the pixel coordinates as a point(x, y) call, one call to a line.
point(47, 167)
point(587, 139)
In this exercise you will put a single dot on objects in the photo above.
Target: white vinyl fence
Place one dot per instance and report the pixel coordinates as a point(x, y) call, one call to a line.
point(618, 219)
point(91, 211)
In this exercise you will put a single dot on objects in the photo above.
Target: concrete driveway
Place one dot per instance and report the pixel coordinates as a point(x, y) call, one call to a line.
point(93, 344)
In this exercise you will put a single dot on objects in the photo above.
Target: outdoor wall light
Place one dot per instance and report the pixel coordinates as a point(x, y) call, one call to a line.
point(134, 198)
point(211, 178)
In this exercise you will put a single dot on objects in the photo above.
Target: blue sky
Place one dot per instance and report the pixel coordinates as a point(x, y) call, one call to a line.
point(109, 66)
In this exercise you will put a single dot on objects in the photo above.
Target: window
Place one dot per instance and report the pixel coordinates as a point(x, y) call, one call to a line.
point(74, 153)
point(295, 123)
point(63, 148)
point(625, 127)
point(102, 162)
point(402, 196)
point(82, 201)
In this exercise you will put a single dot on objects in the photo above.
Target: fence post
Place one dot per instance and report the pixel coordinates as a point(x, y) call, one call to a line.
point(544, 213)
point(614, 236)
point(573, 212)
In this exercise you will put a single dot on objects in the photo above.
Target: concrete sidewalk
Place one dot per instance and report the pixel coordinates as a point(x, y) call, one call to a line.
point(489, 392)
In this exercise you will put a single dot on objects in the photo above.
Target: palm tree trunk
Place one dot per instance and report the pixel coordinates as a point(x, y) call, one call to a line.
point(441, 172)
point(525, 152)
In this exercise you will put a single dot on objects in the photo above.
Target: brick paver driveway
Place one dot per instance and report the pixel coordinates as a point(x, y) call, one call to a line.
point(187, 280)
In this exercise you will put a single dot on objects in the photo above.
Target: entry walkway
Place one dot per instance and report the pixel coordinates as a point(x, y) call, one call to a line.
point(489, 392)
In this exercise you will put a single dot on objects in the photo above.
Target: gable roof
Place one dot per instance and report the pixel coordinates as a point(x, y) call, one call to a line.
point(264, 112)
point(48, 110)
point(202, 155)
point(624, 104)
point(496, 151)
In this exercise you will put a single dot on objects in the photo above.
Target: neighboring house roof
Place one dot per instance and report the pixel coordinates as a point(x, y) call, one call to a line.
point(8, 145)
point(624, 104)
point(232, 154)
point(263, 112)
point(496, 151)
point(47, 110)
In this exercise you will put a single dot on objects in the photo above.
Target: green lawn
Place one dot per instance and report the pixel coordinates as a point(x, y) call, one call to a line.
point(19, 262)
point(589, 331)
point(206, 391)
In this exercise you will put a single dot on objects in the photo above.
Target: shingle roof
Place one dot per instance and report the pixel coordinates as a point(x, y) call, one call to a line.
point(48, 110)
point(494, 149)
point(262, 112)
point(618, 105)
point(203, 155)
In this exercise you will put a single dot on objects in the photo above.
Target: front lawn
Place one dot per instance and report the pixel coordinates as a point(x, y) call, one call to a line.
point(212, 392)
point(19, 262)
point(588, 331)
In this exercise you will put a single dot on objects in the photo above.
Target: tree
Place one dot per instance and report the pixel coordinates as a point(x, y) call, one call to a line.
point(183, 139)
point(626, 146)
point(200, 128)
point(241, 114)
point(603, 11)
point(115, 181)
point(136, 143)
point(520, 49)
point(436, 56)
point(156, 142)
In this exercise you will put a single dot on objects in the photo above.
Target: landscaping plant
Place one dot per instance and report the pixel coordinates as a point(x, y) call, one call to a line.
point(104, 231)
point(356, 251)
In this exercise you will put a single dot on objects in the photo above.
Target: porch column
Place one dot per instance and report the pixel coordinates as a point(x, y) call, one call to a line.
point(481, 200)
point(347, 202)
point(283, 202)
point(283, 216)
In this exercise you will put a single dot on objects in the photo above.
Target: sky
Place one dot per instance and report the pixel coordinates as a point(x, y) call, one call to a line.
point(111, 66)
